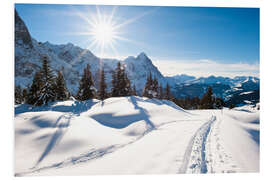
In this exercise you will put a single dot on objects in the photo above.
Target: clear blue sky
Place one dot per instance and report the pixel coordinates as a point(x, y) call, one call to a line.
point(221, 35)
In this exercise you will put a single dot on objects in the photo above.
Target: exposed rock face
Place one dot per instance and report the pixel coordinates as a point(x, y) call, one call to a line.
point(22, 35)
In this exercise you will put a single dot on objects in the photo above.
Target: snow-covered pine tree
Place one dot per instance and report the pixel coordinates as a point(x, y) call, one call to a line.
point(86, 89)
point(61, 91)
point(102, 86)
point(115, 81)
point(147, 88)
point(121, 83)
point(151, 87)
point(125, 85)
point(34, 91)
point(47, 90)
point(155, 88)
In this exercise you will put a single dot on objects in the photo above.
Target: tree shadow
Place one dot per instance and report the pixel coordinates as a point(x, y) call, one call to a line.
point(118, 122)
point(41, 122)
point(142, 111)
point(62, 123)
point(255, 134)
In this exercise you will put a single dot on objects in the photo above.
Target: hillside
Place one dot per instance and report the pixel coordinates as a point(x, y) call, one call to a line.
point(133, 135)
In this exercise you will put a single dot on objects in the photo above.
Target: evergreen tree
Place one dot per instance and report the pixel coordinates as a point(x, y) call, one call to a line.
point(207, 101)
point(148, 86)
point(18, 95)
point(25, 94)
point(34, 91)
point(160, 93)
point(47, 90)
point(61, 91)
point(151, 87)
point(115, 81)
point(155, 88)
point(219, 103)
point(231, 106)
point(125, 85)
point(86, 89)
point(102, 86)
point(167, 92)
point(121, 83)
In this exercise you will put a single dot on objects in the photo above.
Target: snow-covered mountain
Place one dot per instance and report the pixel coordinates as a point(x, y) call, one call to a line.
point(234, 82)
point(225, 87)
point(71, 60)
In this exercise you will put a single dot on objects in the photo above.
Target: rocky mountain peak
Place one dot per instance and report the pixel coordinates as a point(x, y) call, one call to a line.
point(22, 35)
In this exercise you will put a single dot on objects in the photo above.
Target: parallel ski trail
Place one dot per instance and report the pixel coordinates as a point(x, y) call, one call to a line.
point(219, 159)
point(195, 155)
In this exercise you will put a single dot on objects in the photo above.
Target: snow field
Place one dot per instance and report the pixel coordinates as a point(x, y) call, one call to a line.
point(133, 135)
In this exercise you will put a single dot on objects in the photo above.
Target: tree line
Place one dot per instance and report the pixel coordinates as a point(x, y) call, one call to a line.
point(47, 87)
point(207, 101)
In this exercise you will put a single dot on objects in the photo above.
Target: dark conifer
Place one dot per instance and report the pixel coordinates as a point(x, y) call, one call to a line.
point(18, 95)
point(115, 81)
point(60, 87)
point(167, 92)
point(151, 87)
point(25, 94)
point(121, 83)
point(102, 86)
point(86, 89)
point(207, 100)
point(47, 91)
point(34, 91)
point(160, 93)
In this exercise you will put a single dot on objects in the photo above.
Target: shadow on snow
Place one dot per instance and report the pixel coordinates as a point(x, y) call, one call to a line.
point(118, 122)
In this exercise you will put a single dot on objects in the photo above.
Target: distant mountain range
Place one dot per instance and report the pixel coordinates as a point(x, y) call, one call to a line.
point(71, 60)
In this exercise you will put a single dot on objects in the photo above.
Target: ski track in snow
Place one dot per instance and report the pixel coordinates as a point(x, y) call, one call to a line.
point(219, 160)
point(195, 157)
point(205, 152)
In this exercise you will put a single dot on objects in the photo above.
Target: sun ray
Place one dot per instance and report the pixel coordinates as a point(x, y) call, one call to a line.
point(129, 21)
point(103, 30)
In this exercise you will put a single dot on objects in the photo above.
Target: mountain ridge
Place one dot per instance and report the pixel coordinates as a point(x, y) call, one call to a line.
point(71, 60)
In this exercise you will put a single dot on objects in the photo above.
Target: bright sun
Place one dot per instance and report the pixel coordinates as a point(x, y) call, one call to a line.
point(103, 32)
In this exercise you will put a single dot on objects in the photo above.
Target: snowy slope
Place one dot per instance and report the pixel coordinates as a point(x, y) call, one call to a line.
point(71, 60)
point(132, 135)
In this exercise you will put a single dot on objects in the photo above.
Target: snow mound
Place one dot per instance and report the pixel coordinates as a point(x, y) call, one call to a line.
point(54, 133)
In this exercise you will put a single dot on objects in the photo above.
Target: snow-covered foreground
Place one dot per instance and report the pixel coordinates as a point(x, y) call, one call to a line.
point(133, 135)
